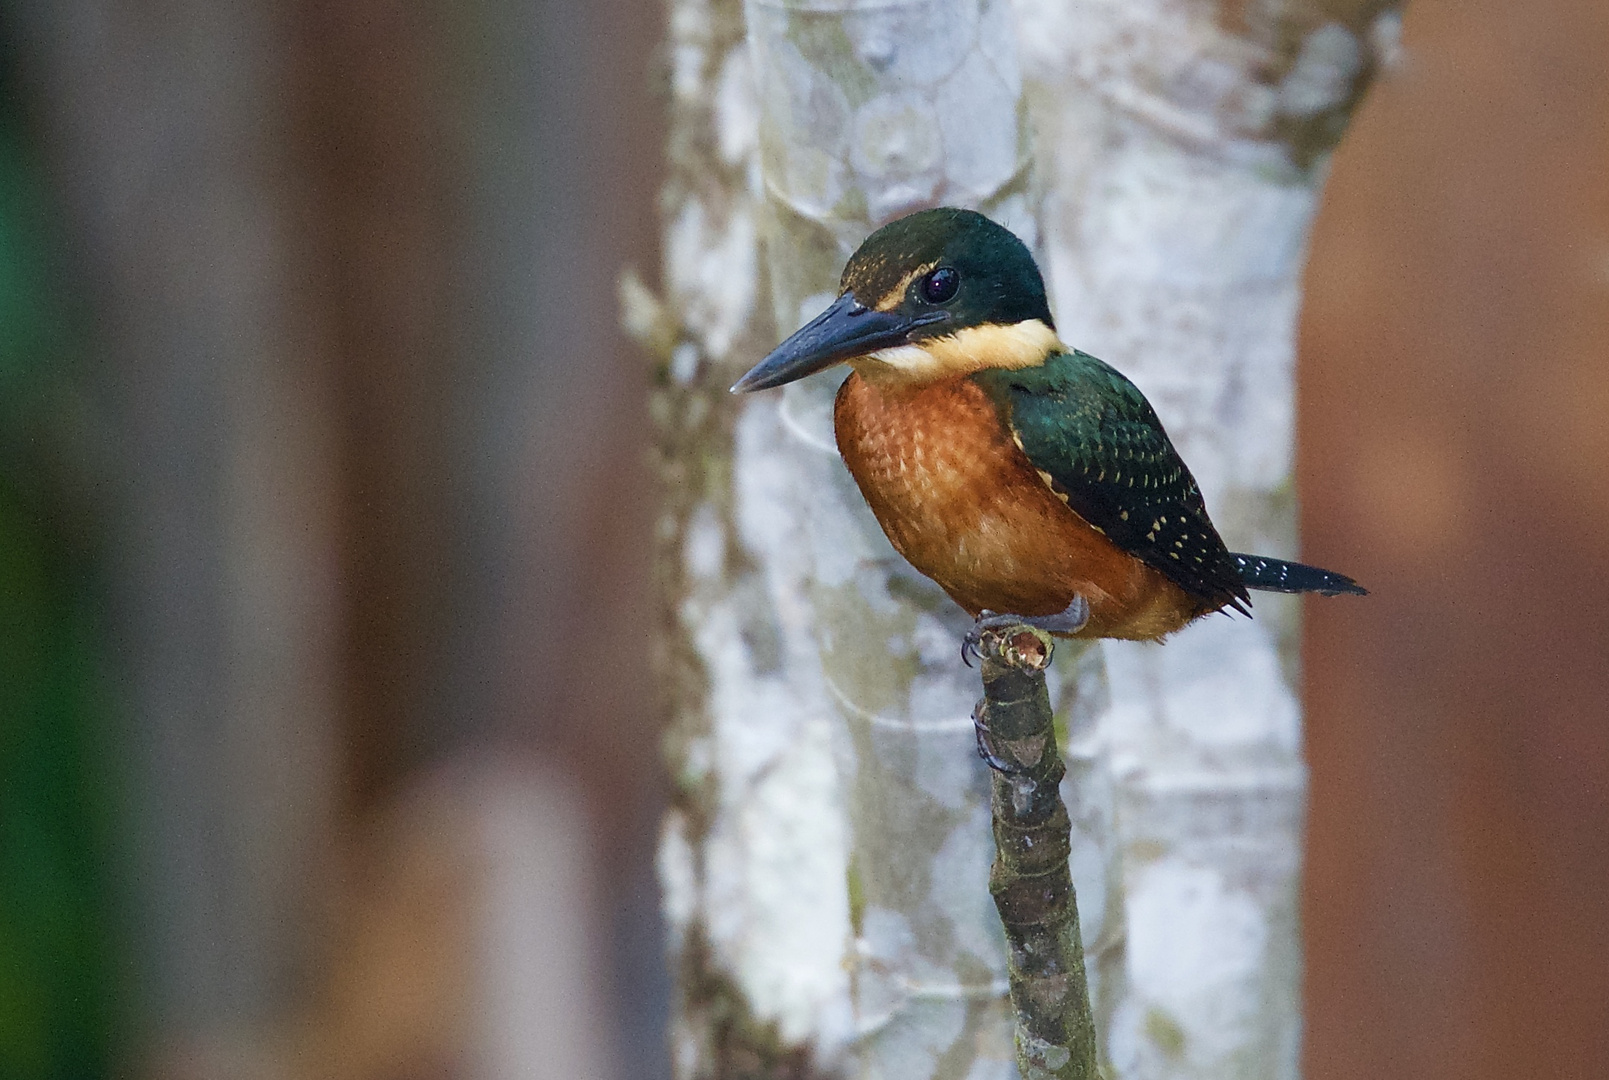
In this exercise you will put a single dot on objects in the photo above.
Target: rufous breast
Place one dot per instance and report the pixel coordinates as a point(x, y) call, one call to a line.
point(962, 503)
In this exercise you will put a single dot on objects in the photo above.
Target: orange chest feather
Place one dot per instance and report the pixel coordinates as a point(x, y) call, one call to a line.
point(961, 502)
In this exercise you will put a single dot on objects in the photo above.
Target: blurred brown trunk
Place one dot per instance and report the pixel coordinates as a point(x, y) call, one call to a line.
point(371, 171)
point(1455, 455)
point(376, 446)
point(217, 431)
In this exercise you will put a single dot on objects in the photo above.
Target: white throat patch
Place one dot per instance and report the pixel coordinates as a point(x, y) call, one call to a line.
point(1019, 345)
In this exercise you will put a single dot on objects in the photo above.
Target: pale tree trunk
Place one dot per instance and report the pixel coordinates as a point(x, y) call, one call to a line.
point(827, 860)
point(1182, 152)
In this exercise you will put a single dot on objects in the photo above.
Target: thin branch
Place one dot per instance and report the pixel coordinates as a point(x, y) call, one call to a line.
point(1033, 890)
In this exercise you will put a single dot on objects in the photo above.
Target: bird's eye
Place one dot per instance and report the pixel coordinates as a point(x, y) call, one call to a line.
point(940, 286)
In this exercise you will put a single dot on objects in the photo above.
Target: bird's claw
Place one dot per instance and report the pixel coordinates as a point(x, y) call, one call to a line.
point(972, 642)
point(980, 731)
point(1067, 621)
point(986, 622)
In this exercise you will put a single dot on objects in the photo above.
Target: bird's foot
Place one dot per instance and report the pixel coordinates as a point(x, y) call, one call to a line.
point(1070, 620)
point(985, 739)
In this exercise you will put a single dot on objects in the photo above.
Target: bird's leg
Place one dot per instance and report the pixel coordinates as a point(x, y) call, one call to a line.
point(1070, 620)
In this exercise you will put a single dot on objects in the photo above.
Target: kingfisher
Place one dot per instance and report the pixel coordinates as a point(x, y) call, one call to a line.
point(1032, 482)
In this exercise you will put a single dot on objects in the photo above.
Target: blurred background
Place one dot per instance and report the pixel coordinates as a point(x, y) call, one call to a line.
point(327, 747)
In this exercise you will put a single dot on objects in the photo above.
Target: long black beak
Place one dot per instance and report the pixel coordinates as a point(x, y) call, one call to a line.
point(845, 330)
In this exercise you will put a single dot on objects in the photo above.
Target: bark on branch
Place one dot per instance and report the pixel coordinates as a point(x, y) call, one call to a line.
point(1030, 882)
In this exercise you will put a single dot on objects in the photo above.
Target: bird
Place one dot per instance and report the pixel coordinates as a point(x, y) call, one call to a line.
point(1031, 481)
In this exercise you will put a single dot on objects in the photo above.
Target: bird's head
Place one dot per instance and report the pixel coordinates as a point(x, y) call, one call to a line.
point(938, 293)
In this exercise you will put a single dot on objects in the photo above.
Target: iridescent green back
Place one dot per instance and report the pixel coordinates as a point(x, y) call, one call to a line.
point(1100, 444)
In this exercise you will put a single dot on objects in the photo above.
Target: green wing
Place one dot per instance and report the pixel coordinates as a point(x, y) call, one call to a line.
point(1091, 431)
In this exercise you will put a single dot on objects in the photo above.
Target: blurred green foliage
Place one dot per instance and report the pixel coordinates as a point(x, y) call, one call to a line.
point(56, 972)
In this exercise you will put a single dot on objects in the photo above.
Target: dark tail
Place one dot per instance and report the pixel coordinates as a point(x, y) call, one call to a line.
point(1277, 575)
